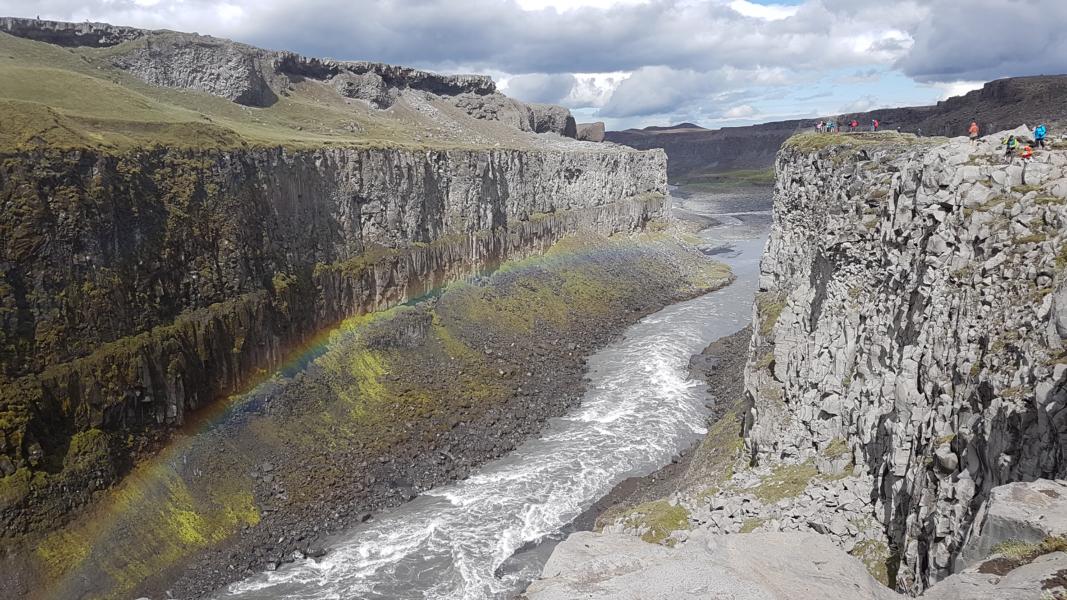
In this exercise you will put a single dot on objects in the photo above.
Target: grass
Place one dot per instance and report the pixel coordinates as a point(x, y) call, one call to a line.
point(659, 518)
point(810, 141)
point(73, 98)
point(786, 481)
point(877, 558)
point(751, 525)
point(1012, 554)
point(770, 306)
point(731, 180)
point(837, 448)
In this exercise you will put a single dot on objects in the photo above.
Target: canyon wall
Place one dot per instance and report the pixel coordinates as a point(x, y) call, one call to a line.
point(912, 316)
point(140, 286)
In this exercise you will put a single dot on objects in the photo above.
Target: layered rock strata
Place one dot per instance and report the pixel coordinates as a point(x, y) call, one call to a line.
point(910, 323)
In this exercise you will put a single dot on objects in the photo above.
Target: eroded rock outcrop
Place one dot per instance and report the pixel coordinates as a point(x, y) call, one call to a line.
point(909, 319)
point(591, 132)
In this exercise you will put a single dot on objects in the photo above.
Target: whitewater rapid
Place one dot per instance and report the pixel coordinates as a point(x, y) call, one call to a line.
point(641, 408)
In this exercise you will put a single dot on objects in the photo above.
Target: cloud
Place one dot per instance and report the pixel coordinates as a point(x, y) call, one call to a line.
point(862, 104)
point(541, 87)
point(988, 39)
point(741, 111)
point(864, 76)
point(591, 36)
point(634, 60)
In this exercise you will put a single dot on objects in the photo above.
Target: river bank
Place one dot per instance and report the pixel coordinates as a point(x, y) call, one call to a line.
point(391, 405)
point(721, 367)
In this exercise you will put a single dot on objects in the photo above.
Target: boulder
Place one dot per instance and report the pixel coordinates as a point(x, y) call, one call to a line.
point(591, 132)
point(753, 566)
point(1026, 512)
point(365, 86)
point(1035, 581)
point(549, 118)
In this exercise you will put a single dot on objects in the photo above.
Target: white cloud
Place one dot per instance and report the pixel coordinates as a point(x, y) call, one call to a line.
point(741, 111)
point(767, 12)
point(956, 88)
point(640, 59)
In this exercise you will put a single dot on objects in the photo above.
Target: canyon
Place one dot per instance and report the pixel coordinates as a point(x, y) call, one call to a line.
point(297, 327)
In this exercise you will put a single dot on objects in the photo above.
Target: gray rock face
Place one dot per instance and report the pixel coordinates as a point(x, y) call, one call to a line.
point(756, 566)
point(591, 132)
point(217, 67)
point(1025, 512)
point(96, 35)
point(907, 295)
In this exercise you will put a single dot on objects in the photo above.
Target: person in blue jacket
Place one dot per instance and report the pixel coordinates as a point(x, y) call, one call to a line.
point(1039, 135)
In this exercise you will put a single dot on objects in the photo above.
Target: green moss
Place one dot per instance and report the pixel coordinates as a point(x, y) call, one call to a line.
point(765, 361)
point(1027, 552)
point(88, 450)
point(945, 439)
point(837, 448)
point(787, 481)
point(15, 488)
point(1033, 238)
point(1013, 392)
point(875, 555)
point(659, 518)
point(1047, 200)
point(769, 306)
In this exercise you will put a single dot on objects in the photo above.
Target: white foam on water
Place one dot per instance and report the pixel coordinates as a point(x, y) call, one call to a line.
point(640, 410)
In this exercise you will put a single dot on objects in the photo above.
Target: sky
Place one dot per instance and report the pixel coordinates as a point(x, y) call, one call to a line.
point(634, 63)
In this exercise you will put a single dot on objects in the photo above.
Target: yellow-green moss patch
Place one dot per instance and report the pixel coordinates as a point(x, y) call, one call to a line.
point(660, 518)
point(786, 481)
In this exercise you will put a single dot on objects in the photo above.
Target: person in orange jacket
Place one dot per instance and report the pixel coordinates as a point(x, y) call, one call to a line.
point(973, 131)
point(1027, 152)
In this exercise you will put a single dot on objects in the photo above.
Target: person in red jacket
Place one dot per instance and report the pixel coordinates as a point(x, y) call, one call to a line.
point(1027, 153)
point(973, 131)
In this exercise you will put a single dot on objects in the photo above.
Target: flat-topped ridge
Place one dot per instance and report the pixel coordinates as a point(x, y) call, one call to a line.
point(313, 99)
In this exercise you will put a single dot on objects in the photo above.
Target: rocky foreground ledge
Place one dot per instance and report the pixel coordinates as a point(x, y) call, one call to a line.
point(907, 387)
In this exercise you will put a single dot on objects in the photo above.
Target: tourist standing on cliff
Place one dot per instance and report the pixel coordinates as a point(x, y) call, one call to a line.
point(973, 131)
point(1039, 136)
point(1011, 144)
point(874, 124)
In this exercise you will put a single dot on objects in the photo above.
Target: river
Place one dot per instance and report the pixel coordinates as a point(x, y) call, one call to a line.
point(459, 541)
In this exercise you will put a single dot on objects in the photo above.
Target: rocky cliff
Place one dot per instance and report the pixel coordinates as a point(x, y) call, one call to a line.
point(162, 244)
point(904, 391)
point(910, 330)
